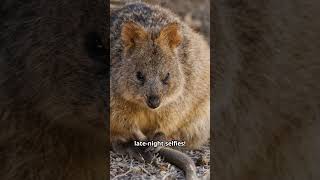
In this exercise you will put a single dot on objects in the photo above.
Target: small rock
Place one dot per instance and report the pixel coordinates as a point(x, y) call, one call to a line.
point(163, 167)
point(202, 161)
point(136, 169)
point(162, 173)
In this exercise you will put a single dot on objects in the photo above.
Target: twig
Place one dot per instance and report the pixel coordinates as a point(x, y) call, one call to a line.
point(165, 176)
point(120, 175)
point(145, 170)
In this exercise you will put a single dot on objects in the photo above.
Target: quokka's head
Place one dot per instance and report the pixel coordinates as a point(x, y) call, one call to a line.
point(151, 74)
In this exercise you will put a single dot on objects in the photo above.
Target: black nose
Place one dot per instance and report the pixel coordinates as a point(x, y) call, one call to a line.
point(153, 101)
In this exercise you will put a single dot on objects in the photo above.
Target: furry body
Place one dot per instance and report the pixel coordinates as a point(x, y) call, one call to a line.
point(184, 112)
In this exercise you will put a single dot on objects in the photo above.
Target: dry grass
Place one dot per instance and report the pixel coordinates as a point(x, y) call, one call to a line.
point(122, 167)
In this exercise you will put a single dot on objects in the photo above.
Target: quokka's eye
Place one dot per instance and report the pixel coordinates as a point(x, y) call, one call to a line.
point(140, 77)
point(95, 47)
point(166, 79)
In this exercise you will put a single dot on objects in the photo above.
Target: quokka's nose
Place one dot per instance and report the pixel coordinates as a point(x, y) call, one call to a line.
point(153, 101)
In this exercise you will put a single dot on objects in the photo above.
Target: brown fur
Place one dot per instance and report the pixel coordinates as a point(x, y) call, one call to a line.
point(169, 36)
point(132, 35)
point(266, 73)
point(52, 90)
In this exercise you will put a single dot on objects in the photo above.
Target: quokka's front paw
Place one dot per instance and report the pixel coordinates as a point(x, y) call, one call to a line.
point(137, 152)
point(158, 136)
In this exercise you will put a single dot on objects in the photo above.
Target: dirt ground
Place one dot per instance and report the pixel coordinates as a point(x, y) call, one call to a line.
point(197, 14)
point(122, 167)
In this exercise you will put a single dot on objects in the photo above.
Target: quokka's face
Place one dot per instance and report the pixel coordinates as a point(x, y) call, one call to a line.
point(152, 76)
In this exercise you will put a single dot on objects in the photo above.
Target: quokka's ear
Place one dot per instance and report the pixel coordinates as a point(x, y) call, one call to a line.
point(132, 34)
point(170, 35)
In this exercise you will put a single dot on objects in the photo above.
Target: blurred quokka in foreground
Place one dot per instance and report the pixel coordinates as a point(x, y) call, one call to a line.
point(266, 90)
point(159, 77)
point(53, 84)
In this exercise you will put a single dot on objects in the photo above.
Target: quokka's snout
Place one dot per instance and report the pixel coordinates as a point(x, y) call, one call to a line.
point(153, 101)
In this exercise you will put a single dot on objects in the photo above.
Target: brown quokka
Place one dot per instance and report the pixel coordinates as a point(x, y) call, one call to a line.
point(160, 77)
point(53, 84)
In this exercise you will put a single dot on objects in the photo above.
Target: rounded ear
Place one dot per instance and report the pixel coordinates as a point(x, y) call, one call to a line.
point(170, 36)
point(132, 34)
